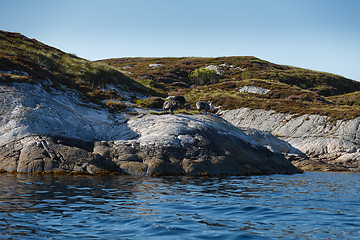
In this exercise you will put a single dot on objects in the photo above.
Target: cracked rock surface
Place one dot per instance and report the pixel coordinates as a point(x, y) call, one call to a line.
point(333, 145)
point(54, 130)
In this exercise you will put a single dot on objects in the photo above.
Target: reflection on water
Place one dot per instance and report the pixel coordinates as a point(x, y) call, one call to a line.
point(303, 206)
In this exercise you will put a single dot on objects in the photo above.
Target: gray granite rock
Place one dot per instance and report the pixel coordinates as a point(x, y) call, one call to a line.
point(253, 89)
point(54, 130)
point(183, 144)
point(335, 143)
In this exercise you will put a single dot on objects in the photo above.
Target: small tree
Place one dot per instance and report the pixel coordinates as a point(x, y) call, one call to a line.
point(203, 76)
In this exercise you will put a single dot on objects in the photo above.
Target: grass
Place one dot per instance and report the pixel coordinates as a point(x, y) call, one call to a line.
point(42, 62)
point(152, 102)
point(178, 70)
point(350, 99)
point(292, 89)
point(287, 100)
point(115, 106)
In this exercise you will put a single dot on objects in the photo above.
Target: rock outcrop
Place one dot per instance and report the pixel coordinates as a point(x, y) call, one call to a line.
point(55, 130)
point(183, 144)
point(253, 89)
point(327, 144)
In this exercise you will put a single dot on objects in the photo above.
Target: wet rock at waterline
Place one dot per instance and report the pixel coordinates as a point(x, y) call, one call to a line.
point(167, 144)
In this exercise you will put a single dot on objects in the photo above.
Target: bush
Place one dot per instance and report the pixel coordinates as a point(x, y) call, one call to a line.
point(152, 102)
point(150, 83)
point(115, 106)
point(203, 76)
point(100, 94)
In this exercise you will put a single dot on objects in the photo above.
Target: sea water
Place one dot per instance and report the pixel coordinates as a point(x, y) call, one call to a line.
point(312, 205)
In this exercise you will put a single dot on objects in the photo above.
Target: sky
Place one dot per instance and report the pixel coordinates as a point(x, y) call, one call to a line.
point(321, 35)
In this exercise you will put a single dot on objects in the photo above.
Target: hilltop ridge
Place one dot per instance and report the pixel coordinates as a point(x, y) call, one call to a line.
point(291, 89)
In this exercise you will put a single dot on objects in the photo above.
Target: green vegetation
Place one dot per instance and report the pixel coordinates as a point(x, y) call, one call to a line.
point(152, 102)
point(203, 76)
point(34, 62)
point(115, 106)
point(257, 61)
point(350, 99)
point(292, 89)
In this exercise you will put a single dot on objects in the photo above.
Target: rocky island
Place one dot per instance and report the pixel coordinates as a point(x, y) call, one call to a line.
point(59, 112)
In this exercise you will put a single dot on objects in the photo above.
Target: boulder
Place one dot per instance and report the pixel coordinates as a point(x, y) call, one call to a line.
point(182, 144)
point(44, 153)
point(253, 89)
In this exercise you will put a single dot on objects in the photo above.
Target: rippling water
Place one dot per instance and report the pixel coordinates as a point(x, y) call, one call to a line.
point(302, 206)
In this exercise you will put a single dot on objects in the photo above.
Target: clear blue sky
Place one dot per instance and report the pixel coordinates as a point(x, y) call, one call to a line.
point(322, 35)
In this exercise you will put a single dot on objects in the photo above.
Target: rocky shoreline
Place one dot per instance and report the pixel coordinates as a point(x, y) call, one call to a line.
point(56, 131)
point(167, 145)
point(44, 131)
point(314, 142)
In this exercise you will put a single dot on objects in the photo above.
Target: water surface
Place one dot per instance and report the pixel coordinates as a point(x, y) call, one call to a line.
point(301, 206)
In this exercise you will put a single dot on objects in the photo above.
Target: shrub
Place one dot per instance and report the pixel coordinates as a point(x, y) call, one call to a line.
point(103, 95)
point(257, 61)
point(203, 76)
point(115, 106)
point(150, 83)
point(152, 102)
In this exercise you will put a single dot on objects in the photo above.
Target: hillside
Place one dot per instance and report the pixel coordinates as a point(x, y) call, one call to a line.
point(143, 81)
point(292, 89)
point(62, 112)
point(29, 61)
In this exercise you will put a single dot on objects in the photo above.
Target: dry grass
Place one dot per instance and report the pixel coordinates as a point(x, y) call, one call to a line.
point(292, 89)
point(42, 62)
